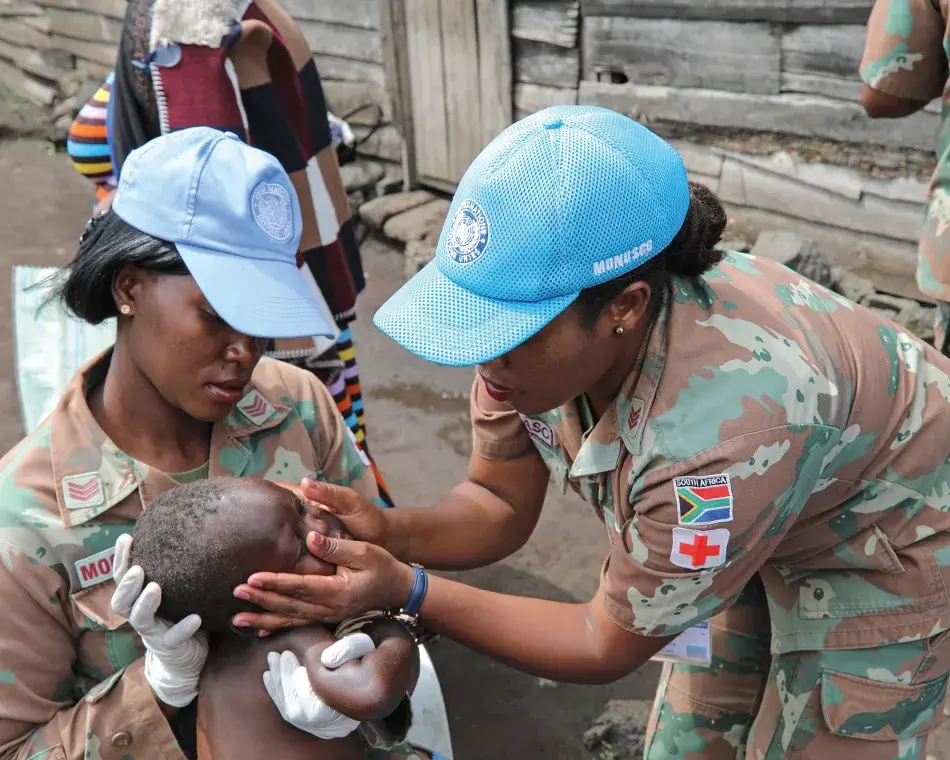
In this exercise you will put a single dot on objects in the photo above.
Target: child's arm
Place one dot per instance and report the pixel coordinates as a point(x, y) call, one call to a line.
point(374, 687)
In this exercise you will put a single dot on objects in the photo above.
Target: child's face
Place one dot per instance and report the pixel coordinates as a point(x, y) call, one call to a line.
point(274, 526)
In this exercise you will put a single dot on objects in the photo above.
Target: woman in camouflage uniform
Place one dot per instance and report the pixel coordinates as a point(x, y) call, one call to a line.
point(193, 273)
point(726, 419)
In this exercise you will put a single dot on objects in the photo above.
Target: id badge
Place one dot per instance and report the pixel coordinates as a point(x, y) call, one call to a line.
point(692, 647)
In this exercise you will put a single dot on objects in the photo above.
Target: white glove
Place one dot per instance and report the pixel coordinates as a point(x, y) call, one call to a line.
point(289, 687)
point(174, 654)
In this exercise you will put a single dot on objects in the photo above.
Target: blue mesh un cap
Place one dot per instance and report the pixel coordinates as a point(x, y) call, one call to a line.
point(233, 214)
point(560, 201)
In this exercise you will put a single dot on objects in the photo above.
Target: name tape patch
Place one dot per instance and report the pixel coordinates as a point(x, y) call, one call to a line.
point(699, 549)
point(703, 500)
point(96, 569)
point(540, 431)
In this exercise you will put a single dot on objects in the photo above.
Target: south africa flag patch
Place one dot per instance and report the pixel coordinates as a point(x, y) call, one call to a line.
point(703, 501)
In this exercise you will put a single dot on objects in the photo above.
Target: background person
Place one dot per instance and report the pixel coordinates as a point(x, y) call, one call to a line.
point(723, 416)
point(903, 69)
point(253, 75)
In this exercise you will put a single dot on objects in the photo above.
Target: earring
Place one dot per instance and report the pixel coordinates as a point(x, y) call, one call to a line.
point(125, 309)
point(619, 329)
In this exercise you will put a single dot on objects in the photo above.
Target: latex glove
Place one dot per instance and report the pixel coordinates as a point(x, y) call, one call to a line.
point(289, 687)
point(174, 654)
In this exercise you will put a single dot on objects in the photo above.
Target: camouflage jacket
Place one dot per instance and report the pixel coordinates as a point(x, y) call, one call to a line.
point(769, 426)
point(71, 678)
point(906, 56)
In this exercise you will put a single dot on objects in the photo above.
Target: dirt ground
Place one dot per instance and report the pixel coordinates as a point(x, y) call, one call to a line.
point(418, 418)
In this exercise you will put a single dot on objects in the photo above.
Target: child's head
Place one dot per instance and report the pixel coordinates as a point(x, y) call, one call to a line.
point(199, 541)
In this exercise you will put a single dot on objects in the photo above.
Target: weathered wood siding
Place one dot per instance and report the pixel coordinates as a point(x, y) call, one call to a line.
point(546, 54)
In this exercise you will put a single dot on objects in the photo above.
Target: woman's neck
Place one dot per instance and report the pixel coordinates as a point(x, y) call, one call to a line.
point(606, 390)
point(141, 422)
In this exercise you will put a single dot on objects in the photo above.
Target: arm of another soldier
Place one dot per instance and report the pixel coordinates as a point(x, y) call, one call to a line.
point(38, 713)
point(482, 520)
point(904, 65)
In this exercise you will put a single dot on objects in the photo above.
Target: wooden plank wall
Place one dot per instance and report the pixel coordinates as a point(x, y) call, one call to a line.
point(707, 70)
point(786, 66)
point(545, 53)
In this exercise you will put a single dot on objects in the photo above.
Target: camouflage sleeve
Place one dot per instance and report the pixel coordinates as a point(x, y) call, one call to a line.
point(904, 54)
point(497, 430)
point(341, 459)
point(43, 712)
point(701, 528)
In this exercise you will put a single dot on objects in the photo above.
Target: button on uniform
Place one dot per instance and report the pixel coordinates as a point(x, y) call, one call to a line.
point(122, 739)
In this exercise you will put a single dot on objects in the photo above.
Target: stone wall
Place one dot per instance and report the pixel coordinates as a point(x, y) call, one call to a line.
point(52, 52)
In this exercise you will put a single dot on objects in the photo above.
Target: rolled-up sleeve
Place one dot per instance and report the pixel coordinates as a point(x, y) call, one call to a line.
point(701, 528)
point(41, 713)
point(498, 432)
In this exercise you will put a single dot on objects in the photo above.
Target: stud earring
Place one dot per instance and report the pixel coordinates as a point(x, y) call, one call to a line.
point(619, 329)
point(125, 309)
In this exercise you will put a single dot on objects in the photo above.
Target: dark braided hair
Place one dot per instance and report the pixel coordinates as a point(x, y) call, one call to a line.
point(691, 254)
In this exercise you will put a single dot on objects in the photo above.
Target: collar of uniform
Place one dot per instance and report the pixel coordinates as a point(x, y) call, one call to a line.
point(255, 413)
point(90, 473)
point(626, 417)
point(640, 389)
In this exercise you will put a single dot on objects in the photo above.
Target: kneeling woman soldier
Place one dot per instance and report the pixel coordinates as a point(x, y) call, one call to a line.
point(725, 418)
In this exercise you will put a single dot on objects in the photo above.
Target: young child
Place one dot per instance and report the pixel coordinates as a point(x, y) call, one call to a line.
point(201, 540)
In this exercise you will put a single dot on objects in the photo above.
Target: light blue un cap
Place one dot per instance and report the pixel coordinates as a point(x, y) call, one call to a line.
point(233, 214)
point(560, 201)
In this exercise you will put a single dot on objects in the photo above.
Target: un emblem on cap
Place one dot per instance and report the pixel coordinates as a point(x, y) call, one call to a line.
point(273, 210)
point(468, 236)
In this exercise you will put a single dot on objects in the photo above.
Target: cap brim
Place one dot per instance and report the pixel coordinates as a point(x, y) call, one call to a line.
point(443, 323)
point(258, 297)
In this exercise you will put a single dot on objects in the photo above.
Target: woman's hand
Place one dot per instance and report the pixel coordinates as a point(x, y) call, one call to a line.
point(363, 519)
point(289, 687)
point(368, 578)
point(174, 654)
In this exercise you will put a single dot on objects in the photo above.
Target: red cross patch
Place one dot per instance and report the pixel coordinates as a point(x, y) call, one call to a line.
point(699, 549)
point(83, 491)
point(255, 407)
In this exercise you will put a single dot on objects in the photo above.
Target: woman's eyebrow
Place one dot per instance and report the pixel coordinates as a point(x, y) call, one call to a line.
point(301, 507)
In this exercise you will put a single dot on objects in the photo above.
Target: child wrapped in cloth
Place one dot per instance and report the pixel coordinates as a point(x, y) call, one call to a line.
point(198, 542)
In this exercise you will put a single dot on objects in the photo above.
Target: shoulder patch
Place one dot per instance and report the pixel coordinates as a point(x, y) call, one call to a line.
point(83, 491)
point(703, 500)
point(699, 549)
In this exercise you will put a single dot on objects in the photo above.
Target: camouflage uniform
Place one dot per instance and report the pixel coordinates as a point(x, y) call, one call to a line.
point(71, 677)
point(906, 56)
point(812, 436)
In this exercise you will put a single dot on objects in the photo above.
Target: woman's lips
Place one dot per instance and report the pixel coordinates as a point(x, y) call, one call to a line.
point(227, 393)
point(498, 392)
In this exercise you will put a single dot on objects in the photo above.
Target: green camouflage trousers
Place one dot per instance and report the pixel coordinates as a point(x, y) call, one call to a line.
point(872, 704)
